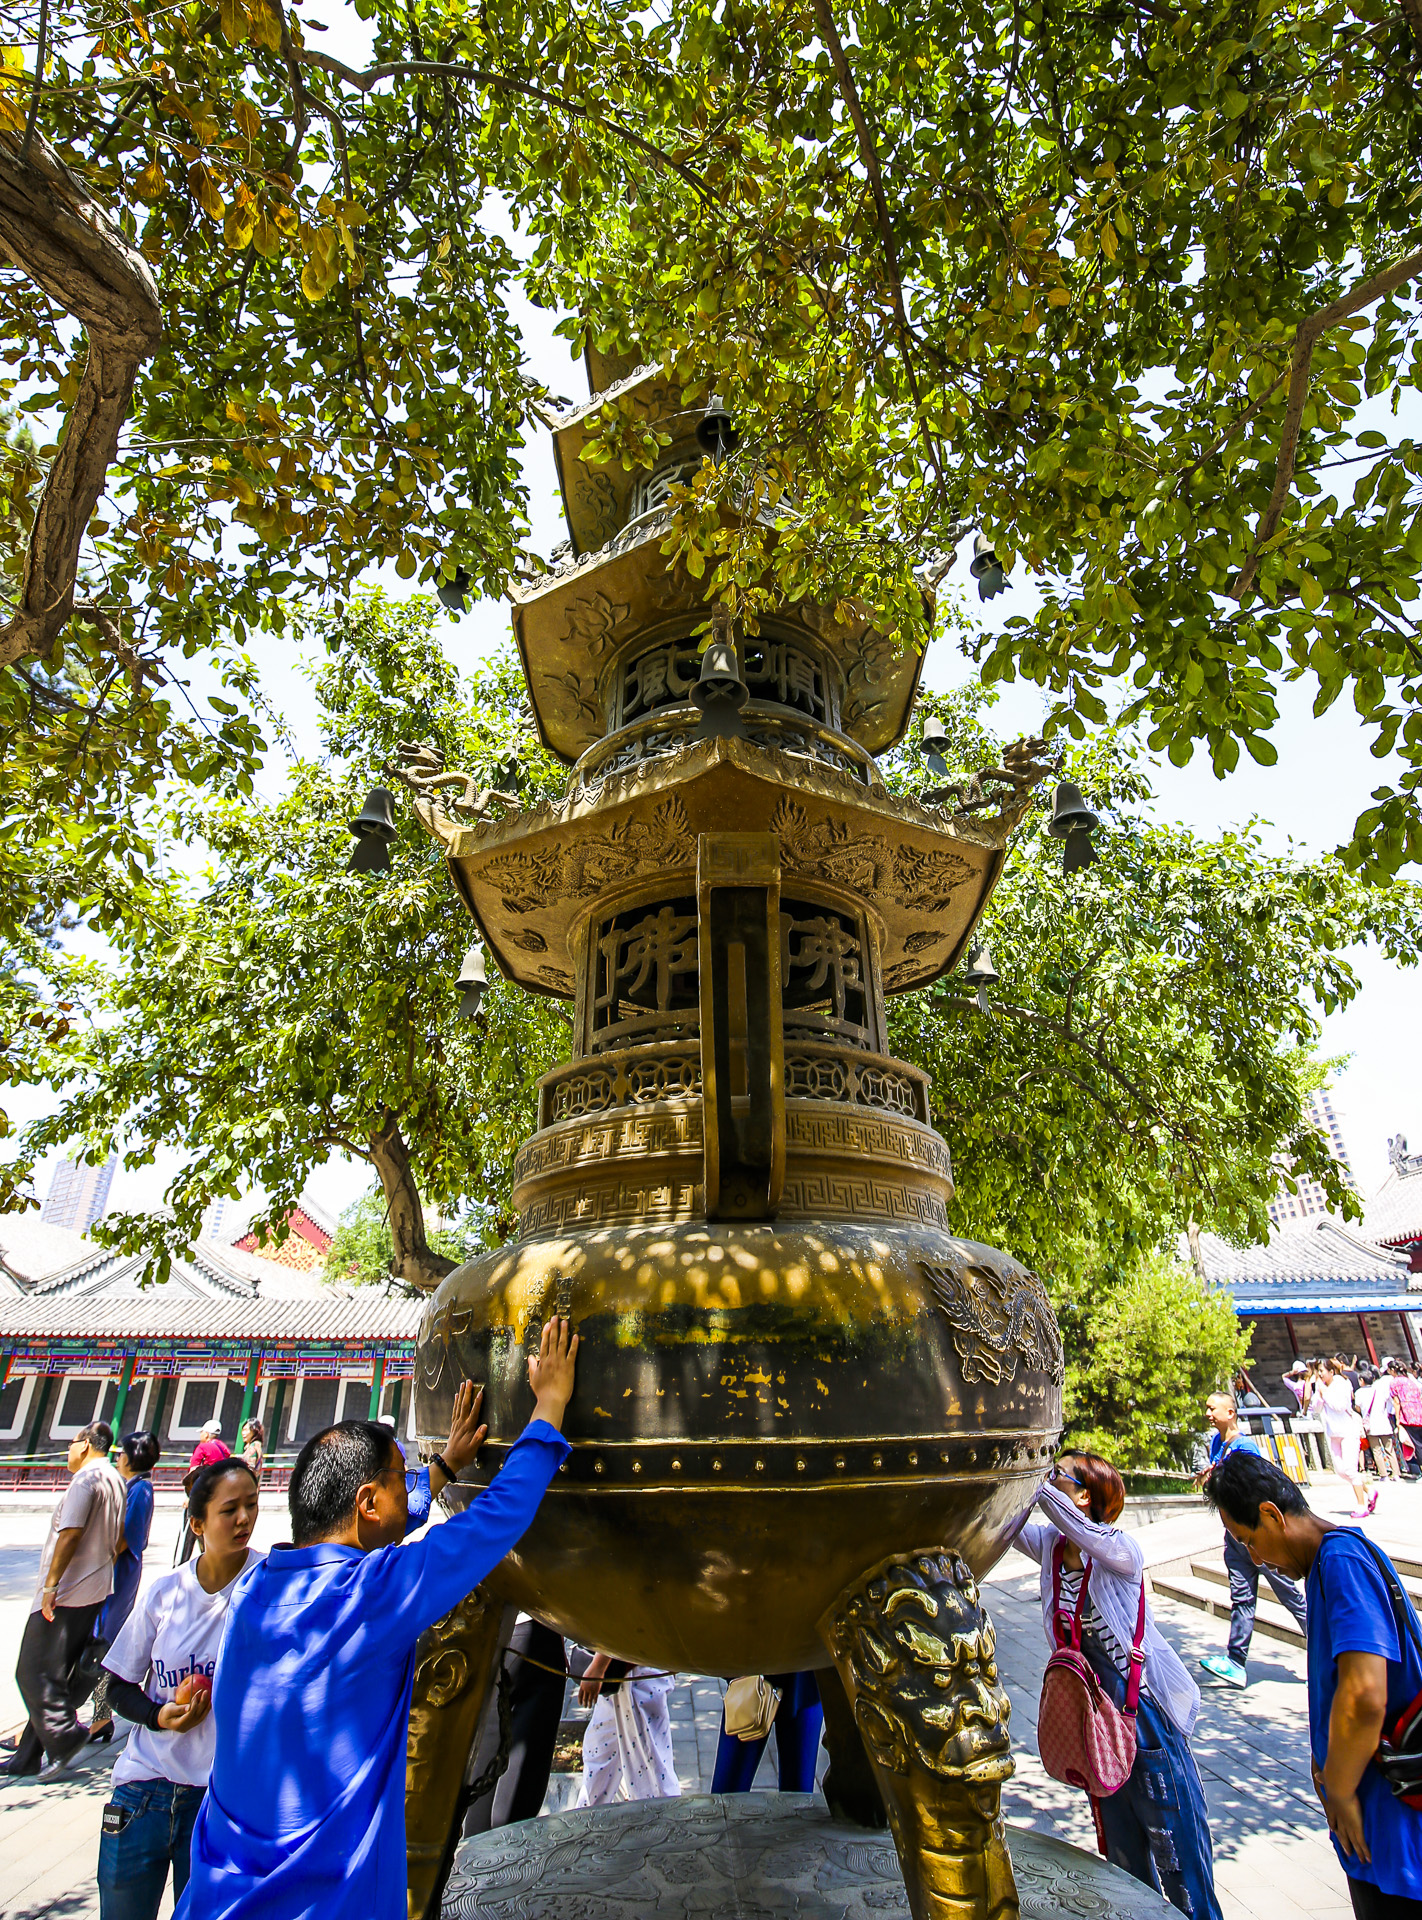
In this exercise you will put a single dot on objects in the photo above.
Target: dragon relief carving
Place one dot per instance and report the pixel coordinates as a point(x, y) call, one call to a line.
point(998, 1319)
point(584, 865)
point(1007, 788)
point(421, 768)
point(920, 879)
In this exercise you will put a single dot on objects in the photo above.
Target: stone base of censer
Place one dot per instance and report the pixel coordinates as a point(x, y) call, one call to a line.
point(754, 1856)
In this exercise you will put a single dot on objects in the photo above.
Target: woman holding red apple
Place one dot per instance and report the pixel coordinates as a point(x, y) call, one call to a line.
point(161, 1669)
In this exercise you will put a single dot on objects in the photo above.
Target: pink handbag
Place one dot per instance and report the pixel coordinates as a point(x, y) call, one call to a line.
point(1084, 1738)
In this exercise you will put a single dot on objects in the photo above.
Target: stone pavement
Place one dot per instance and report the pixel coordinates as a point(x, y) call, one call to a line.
point(1273, 1858)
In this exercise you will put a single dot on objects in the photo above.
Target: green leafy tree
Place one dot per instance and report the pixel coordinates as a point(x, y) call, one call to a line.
point(1146, 1343)
point(362, 1250)
point(1148, 1050)
point(1112, 284)
point(284, 1009)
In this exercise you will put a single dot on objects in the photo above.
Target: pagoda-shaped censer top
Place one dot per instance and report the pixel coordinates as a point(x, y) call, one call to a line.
point(791, 1371)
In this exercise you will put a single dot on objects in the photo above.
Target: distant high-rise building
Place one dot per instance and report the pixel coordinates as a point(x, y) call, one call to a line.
point(1310, 1199)
point(79, 1195)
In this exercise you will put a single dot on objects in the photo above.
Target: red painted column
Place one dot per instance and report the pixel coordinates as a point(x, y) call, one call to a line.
point(1293, 1337)
point(1368, 1338)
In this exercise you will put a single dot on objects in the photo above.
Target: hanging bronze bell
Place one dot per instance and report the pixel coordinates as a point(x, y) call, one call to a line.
point(374, 829)
point(473, 981)
point(1074, 822)
point(716, 433)
point(720, 693)
point(987, 569)
point(980, 971)
point(980, 974)
point(454, 593)
point(934, 744)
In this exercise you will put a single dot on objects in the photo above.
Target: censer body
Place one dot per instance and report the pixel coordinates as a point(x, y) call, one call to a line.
point(762, 1411)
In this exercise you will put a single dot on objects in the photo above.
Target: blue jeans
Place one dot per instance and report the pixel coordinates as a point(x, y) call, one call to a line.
point(798, 1722)
point(157, 1834)
point(1156, 1827)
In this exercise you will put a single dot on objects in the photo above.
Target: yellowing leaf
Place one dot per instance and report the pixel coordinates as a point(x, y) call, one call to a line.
point(237, 227)
point(204, 190)
point(248, 119)
point(152, 183)
point(1108, 241)
point(265, 237)
point(1059, 297)
point(233, 18)
point(266, 28)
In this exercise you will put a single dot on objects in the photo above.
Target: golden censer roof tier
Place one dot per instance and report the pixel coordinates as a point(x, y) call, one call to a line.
point(613, 590)
point(532, 879)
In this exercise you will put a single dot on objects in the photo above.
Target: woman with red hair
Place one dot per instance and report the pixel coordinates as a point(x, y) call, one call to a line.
point(1155, 1826)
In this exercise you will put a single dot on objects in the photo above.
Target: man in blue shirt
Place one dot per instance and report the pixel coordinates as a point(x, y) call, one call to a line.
point(1362, 1671)
point(1227, 1438)
point(304, 1817)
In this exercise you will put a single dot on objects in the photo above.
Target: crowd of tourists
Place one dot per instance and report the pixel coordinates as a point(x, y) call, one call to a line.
point(269, 1694)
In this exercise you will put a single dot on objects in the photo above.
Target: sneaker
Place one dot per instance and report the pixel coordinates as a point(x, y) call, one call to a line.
point(1221, 1667)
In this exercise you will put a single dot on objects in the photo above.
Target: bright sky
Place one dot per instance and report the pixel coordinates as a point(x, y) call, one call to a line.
point(1323, 778)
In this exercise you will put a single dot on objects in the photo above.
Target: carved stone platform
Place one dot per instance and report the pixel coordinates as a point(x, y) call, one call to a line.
point(756, 1856)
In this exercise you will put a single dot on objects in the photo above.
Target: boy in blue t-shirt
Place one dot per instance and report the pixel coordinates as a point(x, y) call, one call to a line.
point(1242, 1573)
point(1362, 1671)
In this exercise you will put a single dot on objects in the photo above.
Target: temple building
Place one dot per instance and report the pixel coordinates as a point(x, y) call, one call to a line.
point(1319, 1286)
point(1393, 1216)
point(228, 1334)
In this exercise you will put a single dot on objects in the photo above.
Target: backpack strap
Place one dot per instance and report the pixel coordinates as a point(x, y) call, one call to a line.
point(1407, 1627)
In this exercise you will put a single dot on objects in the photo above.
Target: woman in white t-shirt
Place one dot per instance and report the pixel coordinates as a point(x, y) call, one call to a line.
point(161, 1669)
point(1332, 1402)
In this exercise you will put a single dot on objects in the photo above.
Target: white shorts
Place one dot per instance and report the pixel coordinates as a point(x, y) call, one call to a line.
point(1344, 1448)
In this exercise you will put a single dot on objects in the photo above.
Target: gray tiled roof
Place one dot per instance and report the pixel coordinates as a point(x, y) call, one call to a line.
point(1321, 1248)
point(355, 1314)
point(57, 1284)
point(1394, 1214)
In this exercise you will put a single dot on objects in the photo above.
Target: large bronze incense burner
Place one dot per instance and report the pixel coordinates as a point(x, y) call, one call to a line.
point(806, 1413)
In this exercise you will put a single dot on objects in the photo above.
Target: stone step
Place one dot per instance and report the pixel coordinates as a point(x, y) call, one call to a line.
point(1408, 1571)
point(1271, 1619)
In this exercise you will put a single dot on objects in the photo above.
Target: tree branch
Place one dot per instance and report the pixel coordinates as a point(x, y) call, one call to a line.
point(1107, 1066)
point(59, 237)
point(414, 1260)
point(869, 154)
point(365, 81)
point(1305, 340)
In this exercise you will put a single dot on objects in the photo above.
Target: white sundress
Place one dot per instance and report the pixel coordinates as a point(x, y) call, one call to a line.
point(627, 1744)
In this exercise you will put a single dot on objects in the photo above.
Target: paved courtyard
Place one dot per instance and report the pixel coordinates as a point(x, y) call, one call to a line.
point(1273, 1858)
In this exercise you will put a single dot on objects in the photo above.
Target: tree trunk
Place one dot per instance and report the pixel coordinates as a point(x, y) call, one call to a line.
point(1192, 1240)
point(413, 1259)
point(63, 240)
